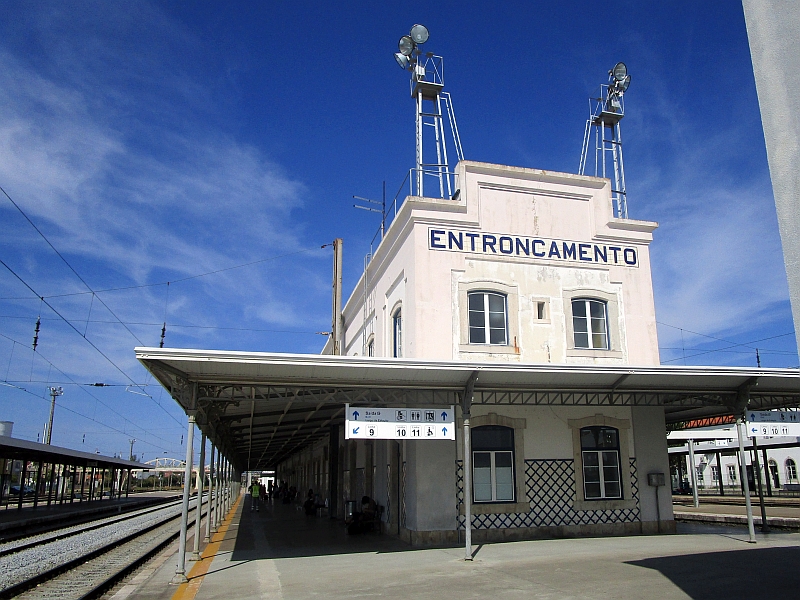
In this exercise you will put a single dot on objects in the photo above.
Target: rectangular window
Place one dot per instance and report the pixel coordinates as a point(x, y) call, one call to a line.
point(601, 474)
point(493, 476)
point(732, 473)
point(540, 311)
point(487, 318)
point(590, 324)
point(397, 334)
point(714, 473)
point(601, 463)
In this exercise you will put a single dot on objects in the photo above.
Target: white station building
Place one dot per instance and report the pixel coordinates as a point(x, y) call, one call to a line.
point(520, 298)
point(525, 295)
point(524, 267)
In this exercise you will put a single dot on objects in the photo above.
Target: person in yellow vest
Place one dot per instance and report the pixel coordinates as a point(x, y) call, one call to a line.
point(255, 492)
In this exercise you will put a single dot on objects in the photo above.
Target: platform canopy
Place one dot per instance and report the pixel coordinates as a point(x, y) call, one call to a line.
point(260, 408)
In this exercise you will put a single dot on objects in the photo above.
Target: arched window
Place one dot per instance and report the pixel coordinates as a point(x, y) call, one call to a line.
point(590, 323)
point(487, 318)
point(791, 471)
point(601, 464)
point(371, 346)
point(773, 471)
point(397, 334)
point(492, 464)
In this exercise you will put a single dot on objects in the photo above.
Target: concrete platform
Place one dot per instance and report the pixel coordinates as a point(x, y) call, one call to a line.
point(279, 553)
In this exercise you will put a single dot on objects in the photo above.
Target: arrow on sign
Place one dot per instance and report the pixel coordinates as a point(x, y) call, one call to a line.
point(355, 415)
point(752, 416)
point(753, 430)
point(444, 430)
point(355, 430)
point(444, 416)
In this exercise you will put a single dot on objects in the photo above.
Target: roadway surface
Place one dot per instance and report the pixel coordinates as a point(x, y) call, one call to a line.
point(279, 553)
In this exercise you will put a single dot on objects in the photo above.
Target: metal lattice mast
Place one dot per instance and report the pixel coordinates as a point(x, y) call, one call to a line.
point(605, 113)
point(427, 83)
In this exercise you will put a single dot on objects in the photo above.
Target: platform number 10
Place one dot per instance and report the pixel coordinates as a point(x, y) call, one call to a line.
point(401, 432)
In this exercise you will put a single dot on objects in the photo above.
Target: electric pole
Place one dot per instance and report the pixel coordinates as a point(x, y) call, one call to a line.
point(54, 392)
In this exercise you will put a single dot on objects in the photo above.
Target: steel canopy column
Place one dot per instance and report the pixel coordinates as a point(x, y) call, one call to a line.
point(180, 571)
point(750, 529)
point(210, 495)
point(767, 474)
point(693, 474)
point(217, 487)
point(757, 477)
point(201, 475)
point(465, 412)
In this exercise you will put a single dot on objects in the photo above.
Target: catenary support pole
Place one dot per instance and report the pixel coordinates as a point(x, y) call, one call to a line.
point(693, 474)
point(201, 475)
point(180, 571)
point(337, 333)
point(465, 412)
point(750, 529)
point(757, 475)
point(719, 475)
point(210, 495)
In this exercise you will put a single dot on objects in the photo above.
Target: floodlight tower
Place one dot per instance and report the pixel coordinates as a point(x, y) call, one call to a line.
point(54, 393)
point(427, 84)
point(605, 113)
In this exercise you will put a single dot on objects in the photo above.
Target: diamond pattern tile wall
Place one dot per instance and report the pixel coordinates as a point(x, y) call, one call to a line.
point(550, 489)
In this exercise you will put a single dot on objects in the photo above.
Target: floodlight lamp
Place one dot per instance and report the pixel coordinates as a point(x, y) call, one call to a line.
point(406, 45)
point(402, 60)
point(620, 71)
point(625, 83)
point(419, 33)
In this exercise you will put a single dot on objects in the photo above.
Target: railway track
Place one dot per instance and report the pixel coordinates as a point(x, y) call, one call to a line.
point(84, 562)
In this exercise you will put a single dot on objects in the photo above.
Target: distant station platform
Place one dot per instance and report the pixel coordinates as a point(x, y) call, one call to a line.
point(34, 475)
point(14, 522)
point(280, 553)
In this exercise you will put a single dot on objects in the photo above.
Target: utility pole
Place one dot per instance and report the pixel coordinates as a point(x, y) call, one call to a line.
point(132, 441)
point(337, 326)
point(54, 392)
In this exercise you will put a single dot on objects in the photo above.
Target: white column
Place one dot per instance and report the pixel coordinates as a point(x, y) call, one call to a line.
point(180, 571)
point(751, 530)
point(211, 490)
point(467, 492)
point(693, 474)
point(201, 476)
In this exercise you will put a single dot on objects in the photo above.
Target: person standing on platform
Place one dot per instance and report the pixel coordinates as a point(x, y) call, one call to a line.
point(255, 490)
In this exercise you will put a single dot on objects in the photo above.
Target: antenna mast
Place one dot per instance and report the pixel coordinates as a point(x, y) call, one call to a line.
point(427, 84)
point(605, 113)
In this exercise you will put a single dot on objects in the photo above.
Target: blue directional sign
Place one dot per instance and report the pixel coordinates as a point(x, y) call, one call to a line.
point(399, 423)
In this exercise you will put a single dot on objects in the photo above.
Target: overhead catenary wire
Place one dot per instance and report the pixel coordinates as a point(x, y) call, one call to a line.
point(66, 262)
point(82, 386)
point(745, 344)
point(92, 344)
point(180, 280)
point(185, 326)
point(75, 412)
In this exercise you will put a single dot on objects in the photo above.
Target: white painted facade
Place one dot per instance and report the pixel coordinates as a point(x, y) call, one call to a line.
point(429, 285)
point(552, 238)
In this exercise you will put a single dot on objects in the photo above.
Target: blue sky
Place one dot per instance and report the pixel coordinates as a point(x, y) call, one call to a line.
point(153, 142)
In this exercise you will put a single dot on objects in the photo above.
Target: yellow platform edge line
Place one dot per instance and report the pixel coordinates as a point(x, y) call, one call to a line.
point(188, 590)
